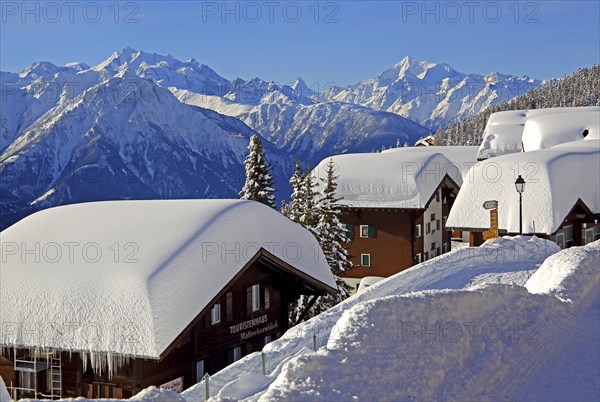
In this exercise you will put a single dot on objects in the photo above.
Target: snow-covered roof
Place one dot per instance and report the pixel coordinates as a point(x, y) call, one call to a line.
point(127, 277)
point(397, 178)
point(555, 179)
point(510, 131)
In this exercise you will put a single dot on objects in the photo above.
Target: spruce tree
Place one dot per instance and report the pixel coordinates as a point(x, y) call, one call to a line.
point(294, 208)
point(330, 234)
point(259, 177)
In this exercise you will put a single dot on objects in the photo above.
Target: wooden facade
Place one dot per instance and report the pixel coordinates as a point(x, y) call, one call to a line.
point(385, 241)
point(253, 310)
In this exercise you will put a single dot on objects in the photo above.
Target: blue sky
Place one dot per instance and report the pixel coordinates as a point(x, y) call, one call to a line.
point(325, 42)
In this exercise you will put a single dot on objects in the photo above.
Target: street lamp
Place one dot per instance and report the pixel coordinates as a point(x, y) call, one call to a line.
point(520, 185)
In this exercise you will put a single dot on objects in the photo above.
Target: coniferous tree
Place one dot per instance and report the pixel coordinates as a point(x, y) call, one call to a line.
point(295, 207)
point(259, 177)
point(331, 236)
point(440, 137)
point(309, 217)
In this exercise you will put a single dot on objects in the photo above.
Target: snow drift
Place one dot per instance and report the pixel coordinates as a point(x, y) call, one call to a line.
point(480, 343)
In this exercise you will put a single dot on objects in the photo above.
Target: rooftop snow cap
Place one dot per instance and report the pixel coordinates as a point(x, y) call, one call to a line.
point(127, 277)
point(516, 130)
point(397, 178)
point(555, 179)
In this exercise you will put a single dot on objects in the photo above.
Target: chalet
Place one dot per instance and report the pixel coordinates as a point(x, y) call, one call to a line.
point(104, 299)
point(560, 201)
point(425, 142)
point(395, 205)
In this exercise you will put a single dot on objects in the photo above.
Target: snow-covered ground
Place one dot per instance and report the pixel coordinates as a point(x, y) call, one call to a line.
point(514, 319)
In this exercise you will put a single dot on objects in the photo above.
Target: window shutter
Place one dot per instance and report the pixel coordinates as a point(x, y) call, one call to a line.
point(229, 306)
point(349, 232)
point(437, 224)
point(372, 232)
point(267, 298)
point(249, 300)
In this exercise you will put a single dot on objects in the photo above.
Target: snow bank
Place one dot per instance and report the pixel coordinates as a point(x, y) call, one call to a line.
point(555, 179)
point(127, 277)
point(572, 275)
point(398, 178)
point(503, 260)
point(487, 342)
point(512, 131)
point(418, 339)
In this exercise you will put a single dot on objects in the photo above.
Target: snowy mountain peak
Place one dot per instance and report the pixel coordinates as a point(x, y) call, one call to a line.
point(38, 69)
point(432, 93)
point(79, 66)
point(301, 89)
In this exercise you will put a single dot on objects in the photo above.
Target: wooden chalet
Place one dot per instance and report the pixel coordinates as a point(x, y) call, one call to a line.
point(219, 290)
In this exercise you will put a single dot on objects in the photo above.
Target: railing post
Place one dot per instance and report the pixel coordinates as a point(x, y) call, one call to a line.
point(206, 386)
point(315, 342)
point(262, 363)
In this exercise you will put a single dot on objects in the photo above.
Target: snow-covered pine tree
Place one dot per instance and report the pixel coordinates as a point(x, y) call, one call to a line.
point(309, 217)
point(295, 207)
point(331, 236)
point(259, 177)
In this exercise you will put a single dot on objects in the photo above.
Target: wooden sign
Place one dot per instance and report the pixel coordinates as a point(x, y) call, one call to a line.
point(493, 232)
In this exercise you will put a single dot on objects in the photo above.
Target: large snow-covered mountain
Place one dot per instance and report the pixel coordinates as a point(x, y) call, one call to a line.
point(432, 94)
point(126, 138)
point(144, 125)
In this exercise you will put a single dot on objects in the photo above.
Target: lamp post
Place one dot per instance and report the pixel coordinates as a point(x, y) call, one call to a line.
point(520, 185)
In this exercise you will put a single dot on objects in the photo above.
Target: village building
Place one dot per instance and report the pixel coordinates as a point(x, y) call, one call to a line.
point(560, 199)
point(395, 205)
point(105, 299)
point(426, 141)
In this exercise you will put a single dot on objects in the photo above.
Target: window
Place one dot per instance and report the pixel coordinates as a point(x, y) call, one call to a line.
point(349, 232)
point(255, 297)
point(268, 339)
point(418, 231)
point(428, 228)
point(365, 260)
point(418, 258)
point(444, 221)
point(437, 196)
point(445, 200)
point(438, 250)
point(215, 314)
point(199, 370)
point(432, 217)
point(237, 353)
point(367, 231)
point(433, 245)
point(438, 224)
